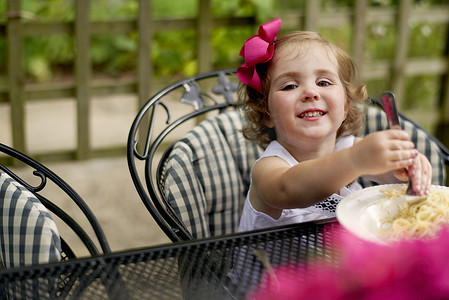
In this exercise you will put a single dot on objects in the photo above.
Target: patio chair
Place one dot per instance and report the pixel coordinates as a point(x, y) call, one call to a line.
point(29, 234)
point(194, 183)
point(222, 153)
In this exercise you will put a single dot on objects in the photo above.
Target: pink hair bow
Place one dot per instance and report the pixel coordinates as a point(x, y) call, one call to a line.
point(258, 49)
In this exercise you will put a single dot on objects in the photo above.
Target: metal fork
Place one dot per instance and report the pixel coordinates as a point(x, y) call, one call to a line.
point(389, 106)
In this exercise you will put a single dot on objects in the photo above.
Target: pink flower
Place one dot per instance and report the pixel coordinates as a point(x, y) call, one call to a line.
point(286, 284)
point(408, 269)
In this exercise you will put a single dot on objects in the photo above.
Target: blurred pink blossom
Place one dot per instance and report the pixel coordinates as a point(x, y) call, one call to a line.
point(405, 270)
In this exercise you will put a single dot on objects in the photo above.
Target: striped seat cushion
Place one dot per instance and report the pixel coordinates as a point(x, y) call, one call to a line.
point(28, 234)
point(376, 120)
point(207, 175)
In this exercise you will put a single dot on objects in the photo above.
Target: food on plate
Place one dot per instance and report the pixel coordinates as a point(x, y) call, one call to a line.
point(421, 220)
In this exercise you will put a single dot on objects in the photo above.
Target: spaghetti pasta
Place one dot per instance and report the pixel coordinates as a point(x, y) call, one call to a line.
point(421, 220)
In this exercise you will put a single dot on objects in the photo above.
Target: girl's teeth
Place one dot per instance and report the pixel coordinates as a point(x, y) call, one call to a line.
point(311, 114)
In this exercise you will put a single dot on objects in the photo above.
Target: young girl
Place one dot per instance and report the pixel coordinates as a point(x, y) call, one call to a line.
point(302, 100)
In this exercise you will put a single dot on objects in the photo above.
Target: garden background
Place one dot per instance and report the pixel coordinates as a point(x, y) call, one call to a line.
point(73, 74)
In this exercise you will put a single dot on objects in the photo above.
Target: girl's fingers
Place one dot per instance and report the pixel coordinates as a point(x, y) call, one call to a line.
point(403, 159)
point(415, 172)
point(428, 173)
point(421, 175)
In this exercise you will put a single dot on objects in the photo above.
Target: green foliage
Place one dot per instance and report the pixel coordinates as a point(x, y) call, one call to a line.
point(380, 42)
point(47, 57)
point(112, 54)
point(104, 10)
point(174, 8)
point(427, 40)
point(174, 52)
point(226, 43)
point(340, 36)
point(49, 10)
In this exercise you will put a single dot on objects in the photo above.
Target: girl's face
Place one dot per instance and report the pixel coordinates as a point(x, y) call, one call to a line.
point(307, 100)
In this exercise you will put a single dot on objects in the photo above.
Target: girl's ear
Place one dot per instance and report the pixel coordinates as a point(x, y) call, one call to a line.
point(268, 121)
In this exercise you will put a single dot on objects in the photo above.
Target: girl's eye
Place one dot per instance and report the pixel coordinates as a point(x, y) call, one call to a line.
point(323, 83)
point(289, 87)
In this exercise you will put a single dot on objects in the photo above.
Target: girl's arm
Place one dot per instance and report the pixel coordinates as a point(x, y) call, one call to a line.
point(276, 186)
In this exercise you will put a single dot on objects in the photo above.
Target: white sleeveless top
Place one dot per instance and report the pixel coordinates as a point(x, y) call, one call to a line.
point(252, 219)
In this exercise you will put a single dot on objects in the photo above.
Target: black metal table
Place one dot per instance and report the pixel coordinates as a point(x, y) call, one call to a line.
point(216, 268)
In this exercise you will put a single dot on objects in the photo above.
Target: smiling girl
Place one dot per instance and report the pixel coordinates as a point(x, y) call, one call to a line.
point(303, 101)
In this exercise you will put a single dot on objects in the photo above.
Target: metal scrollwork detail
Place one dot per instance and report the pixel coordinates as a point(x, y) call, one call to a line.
point(192, 95)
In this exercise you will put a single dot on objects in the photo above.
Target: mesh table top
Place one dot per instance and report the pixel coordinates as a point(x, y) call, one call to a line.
point(217, 268)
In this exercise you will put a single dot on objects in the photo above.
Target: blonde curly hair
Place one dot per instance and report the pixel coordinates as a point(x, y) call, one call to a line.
point(255, 104)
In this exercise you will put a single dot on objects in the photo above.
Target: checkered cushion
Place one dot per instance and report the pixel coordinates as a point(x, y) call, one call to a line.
point(28, 234)
point(376, 120)
point(207, 175)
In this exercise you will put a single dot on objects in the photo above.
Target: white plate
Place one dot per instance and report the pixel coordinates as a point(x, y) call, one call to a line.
point(363, 212)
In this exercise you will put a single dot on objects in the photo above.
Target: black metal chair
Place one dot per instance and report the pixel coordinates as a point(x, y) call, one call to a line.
point(194, 182)
point(30, 214)
point(155, 130)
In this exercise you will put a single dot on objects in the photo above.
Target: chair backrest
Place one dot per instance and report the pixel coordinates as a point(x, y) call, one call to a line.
point(165, 119)
point(194, 183)
point(206, 176)
point(29, 234)
point(27, 221)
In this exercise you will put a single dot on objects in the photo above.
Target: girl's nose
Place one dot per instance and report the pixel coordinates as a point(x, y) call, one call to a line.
point(310, 95)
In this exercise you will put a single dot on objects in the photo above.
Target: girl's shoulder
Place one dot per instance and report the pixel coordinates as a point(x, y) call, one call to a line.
point(276, 150)
point(357, 139)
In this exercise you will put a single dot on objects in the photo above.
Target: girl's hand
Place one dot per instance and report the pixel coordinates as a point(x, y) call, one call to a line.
point(384, 151)
point(420, 172)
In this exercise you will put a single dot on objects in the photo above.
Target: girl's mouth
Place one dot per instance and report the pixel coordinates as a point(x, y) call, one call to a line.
point(311, 114)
